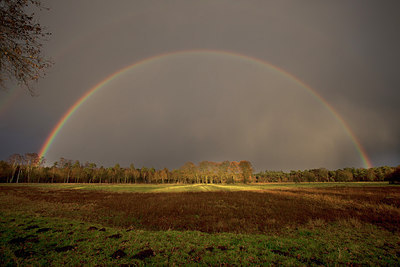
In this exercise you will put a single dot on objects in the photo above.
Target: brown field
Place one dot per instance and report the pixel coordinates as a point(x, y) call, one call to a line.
point(268, 211)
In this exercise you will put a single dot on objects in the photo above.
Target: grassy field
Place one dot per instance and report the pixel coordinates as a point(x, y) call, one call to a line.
point(156, 188)
point(294, 224)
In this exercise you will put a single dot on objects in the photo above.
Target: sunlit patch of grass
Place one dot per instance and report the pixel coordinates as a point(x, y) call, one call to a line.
point(180, 188)
point(148, 188)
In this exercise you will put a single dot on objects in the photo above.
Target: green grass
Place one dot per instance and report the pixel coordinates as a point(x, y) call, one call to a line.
point(342, 243)
point(153, 188)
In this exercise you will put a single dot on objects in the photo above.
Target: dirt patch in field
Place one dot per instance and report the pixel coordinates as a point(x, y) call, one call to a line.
point(118, 254)
point(116, 236)
point(241, 212)
point(43, 230)
point(31, 227)
point(21, 240)
point(144, 254)
point(23, 253)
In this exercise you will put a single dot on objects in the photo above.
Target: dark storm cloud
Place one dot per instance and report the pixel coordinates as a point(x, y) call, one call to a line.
point(346, 50)
point(205, 106)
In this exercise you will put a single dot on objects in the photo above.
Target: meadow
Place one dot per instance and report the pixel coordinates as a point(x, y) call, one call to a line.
point(296, 224)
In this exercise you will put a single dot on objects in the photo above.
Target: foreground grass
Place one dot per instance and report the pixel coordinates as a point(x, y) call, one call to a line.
point(34, 240)
point(64, 225)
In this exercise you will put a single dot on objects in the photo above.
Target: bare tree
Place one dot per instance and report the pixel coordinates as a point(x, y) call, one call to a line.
point(21, 38)
point(15, 160)
point(31, 161)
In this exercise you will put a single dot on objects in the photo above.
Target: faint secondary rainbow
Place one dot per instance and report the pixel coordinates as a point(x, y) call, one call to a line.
point(56, 129)
point(9, 99)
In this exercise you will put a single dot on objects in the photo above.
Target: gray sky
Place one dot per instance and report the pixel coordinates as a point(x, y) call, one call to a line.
point(212, 106)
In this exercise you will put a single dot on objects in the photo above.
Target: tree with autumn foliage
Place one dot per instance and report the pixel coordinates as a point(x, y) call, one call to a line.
point(247, 171)
point(21, 38)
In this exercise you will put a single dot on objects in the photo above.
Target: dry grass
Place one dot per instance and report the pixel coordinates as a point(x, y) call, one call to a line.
point(239, 212)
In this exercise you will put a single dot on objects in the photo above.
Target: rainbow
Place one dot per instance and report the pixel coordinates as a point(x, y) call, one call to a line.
point(50, 138)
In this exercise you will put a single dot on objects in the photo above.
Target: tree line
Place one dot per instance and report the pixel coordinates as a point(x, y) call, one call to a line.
point(383, 173)
point(30, 168)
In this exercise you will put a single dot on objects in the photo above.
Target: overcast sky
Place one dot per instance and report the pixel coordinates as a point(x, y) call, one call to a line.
point(209, 105)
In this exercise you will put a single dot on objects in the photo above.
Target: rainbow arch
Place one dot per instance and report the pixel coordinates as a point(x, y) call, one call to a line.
point(61, 122)
point(9, 99)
